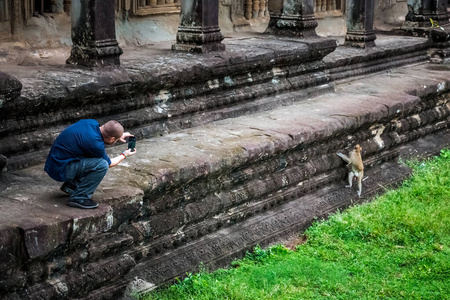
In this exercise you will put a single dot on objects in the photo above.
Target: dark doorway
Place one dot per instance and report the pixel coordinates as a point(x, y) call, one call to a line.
point(42, 6)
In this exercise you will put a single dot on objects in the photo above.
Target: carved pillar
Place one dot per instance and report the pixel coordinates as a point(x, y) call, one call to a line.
point(255, 11)
point(237, 15)
point(439, 11)
point(94, 34)
point(199, 27)
point(318, 6)
point(421, 11)
point(331, 5)
point(292, 18)
point(16, 20)
point(248, 4)
point(262, 8)
point(360, 24)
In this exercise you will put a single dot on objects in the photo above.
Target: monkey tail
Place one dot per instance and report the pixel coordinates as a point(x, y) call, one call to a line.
point(343, 156)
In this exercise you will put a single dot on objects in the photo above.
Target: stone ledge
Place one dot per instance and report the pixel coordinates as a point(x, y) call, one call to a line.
point(175, 192)
point(218, 249)
point(176, 91)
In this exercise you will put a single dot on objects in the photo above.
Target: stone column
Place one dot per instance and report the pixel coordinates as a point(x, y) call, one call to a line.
point(292, 18)
point(199, 27)
point(255, 10)
point(360, 24)
point(94, 34)
point(421, 11)
point(17, 20)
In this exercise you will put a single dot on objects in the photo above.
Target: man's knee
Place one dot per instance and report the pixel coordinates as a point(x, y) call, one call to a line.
point(103, 166)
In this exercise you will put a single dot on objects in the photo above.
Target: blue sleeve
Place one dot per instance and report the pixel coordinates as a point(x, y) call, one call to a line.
point(96, 149)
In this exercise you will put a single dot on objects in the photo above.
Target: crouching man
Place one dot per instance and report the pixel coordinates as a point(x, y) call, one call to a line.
point(78, 158)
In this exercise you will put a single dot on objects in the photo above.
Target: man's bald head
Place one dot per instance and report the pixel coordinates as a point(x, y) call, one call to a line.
point(112, 129)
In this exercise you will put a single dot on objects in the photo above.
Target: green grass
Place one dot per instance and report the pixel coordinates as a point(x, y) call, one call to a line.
point(396, 247)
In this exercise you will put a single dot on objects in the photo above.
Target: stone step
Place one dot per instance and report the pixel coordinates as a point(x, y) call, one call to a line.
point(165, 92)
point(248, 177)
point(218, 249)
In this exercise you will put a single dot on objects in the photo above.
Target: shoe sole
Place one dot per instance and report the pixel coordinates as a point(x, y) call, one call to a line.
point(68, 192)
point(67, 189)
point(78, 205)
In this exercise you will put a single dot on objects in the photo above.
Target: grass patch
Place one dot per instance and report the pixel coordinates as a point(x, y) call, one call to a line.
point(396, 247)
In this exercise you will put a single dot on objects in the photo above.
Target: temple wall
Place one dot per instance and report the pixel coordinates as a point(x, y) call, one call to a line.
point(390, 14)
point(200, 203)
point(141, 25)
point(207, 193)
point(236, 148)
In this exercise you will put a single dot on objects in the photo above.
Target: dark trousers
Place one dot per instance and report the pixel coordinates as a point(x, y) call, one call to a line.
point(86, 174)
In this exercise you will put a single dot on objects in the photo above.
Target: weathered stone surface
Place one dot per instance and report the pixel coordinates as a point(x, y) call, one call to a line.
point(263, 229)
point(3, 161)
point(94, 34)
point(360, 16)
point(292, 18)
point(12, 253)
point(209, 193)
point(199, 29)
point(10, 88)
point(165, 94)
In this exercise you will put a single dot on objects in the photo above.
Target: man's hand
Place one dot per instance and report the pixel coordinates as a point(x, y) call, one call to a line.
point(128, 152)
point(116, 160)
point(124, 136)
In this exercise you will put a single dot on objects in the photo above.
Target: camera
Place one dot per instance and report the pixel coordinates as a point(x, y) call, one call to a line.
point(132, 143)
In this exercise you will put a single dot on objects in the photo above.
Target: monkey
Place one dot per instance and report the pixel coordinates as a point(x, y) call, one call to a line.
point(355, 166)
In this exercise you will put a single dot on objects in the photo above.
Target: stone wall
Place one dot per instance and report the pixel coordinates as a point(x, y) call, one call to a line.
point(390, 15)
point(184, 201)
point(162, 94)
point(265, 170)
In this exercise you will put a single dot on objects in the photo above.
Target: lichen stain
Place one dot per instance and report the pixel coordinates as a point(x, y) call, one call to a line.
point(377, 132)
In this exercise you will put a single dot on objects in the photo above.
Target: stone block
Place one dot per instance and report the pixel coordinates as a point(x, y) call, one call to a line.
point(40, 231)
point(10, 88)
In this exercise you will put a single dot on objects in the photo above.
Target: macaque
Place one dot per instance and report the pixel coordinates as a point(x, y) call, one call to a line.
point(355, 166)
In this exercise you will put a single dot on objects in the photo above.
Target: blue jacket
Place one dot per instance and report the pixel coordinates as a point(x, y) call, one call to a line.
point(80, 140)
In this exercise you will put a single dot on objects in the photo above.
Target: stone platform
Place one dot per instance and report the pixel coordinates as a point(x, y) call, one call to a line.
point(208, 193)
point(159, 91)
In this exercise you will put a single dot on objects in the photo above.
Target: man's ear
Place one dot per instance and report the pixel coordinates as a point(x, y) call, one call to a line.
point(110, 140)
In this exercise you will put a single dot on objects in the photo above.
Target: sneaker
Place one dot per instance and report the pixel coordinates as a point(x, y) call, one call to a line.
point(68, 188)
point(82, 203)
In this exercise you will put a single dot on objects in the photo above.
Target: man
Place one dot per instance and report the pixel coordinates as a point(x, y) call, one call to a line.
point(78, 158)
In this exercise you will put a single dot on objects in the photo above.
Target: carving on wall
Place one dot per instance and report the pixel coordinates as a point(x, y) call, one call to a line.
point(153, 7)
point(238, 12)
point(248, 9)
point(262, 8)
point(255, 8)
point(327, 5)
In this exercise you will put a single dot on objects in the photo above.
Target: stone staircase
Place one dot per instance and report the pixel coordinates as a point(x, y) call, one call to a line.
point(162, 92)
point(225, 174)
